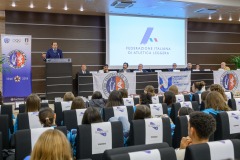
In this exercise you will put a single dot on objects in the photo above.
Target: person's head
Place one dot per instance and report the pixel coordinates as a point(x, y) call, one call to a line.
point(91, 115)
point(142, 112)
point(77, 103)
point(169, 98)
point(33, 103)
point(215, 100)
point(47, 117)
point(218, 88)
point(52, 144)
point(223, 65)
point(105, 68)
point(189, 65)
point(114, 99)
point(123, 92)
point(97, 95)
point(204, 95)
point(197, 67)
point(83, 67)
point(174, 65)
point(174, 89)
point(149, 89)
point(140, 67)
point(68, 96)
point(183, 111)
point(54, 45)
point(197, 86)
point(146, 98)
point(201, 126)
point(125, 65)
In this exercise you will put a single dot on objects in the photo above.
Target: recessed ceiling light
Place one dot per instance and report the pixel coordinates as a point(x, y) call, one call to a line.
point(65, 8)
point(31, 5)
point(210, 17)
point(13, 4)
point(239, 19)
point(49, 7)
point(220, 18)
point(81, 9)
point(230, 18)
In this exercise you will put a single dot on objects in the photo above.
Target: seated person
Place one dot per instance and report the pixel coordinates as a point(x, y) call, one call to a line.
point(169, 99)
point(201, 127)
point(174, 67)
point(145, 99)
point(68, 96)
point(218, 88)
point(183, 111)
point(97, 100)
point(114, 99)
point(123, 92)
point(77, 103)
point(173, 89)
point(198, 68)
point(84, 70)
point(224, 67)
point(198, 87)
point(125, 68)
point(189, 67)
point(150, 89)
point(140, 68)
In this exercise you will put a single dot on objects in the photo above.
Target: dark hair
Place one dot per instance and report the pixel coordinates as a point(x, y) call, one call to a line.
point(218, 88)
point(125, 63)
point(173, 89)
point(199, 85)
point(54, 42)
point(33, 103)
point(105, 65)
point(46, 117)
point(77, 103)
point(91, 115)
point(169, 98)
point(149, 89)
point(146, 98)
point(114, 99)
point(204, 95)
point(183, 111)
point(142, 111)
point(203, 123)
point(97, 95)
point(123, 92)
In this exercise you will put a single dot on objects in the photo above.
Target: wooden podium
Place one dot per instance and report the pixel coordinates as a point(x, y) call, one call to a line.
point(58, 77)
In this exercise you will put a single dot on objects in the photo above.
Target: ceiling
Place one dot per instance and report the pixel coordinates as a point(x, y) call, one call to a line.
point(226, 11)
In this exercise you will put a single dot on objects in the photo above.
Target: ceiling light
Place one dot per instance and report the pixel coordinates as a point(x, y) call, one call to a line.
point(230, 18)
point(81, 9)
point(239, 19)
point(210, 17)
point(49, 7)
point(65, 8)
point(220, 18)
point(13, 4)
point(31, 5)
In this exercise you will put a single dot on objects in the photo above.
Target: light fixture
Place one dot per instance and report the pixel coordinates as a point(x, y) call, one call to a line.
point(13, 4)
point(220, 17)
point(49, 6)
point(239, 19)
point(209, 17)
point(65, 8)
point(31, 5)
point(230, 18)
point(81, 9)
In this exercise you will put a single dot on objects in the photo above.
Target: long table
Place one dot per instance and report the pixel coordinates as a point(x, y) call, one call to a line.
point(85, 82)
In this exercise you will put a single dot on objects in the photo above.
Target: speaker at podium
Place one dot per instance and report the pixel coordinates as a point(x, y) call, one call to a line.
point(58, 77)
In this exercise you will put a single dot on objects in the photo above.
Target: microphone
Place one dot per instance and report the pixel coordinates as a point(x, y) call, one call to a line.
point(59, 56)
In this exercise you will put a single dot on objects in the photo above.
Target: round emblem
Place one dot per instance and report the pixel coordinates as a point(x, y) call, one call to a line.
point(229, 80)
point(16, 59)
point(114, 81)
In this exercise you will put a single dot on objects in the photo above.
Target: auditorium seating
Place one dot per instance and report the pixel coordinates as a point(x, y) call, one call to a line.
point(8, 110)
point(59, 107)
point(225, 149)
point(22, 107)
point(118, 111)
point(196, 97)
point(182, 98)
point(228, 125)
point(229, 95)
point(89, 141)
point(177, 106)
point(158, 109)
point(28, 120)
point(128, 102)
point(1, 145)
point(136, 100)
point(123, 150)
point(4, 129)
point(157, 99)
point(25, 140)
point(73, 118)
point(149, 131)
point(155, 154)
point(234, 104)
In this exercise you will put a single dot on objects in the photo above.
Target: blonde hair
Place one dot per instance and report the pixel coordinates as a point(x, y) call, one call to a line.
point(33, 103)
point(174, 89)
point(149, 89)
point(52, 144)
point(215, 100)
point(218, 88)
point(68, 96)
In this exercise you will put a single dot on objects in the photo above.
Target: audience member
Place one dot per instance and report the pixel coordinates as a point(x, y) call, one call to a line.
point(218, 88)
point(183, 111)
point(174, 89)
point(224, 67)
point(52, 144)
point(142, 112)
point(91, 115)
point(125, 68)
point(68, 96)
point(84, 69)
point(47, 117)
point(114, 99)
point(203, 99)
point(198, 87)
point(149, 89)
point(200, 127)
point(77, 103)
point(97, 100)
point(146, 99)
point(123, 92)
point(169, 99)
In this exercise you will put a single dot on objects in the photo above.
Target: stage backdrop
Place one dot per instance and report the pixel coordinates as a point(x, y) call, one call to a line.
point(107, 82)
point(181, 79)
point(17, 81)
point(227, 79)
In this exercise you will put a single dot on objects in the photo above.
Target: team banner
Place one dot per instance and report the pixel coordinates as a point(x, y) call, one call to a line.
point(227, 79)
point(181, 79)
point(107, 82)
point(17, 81)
